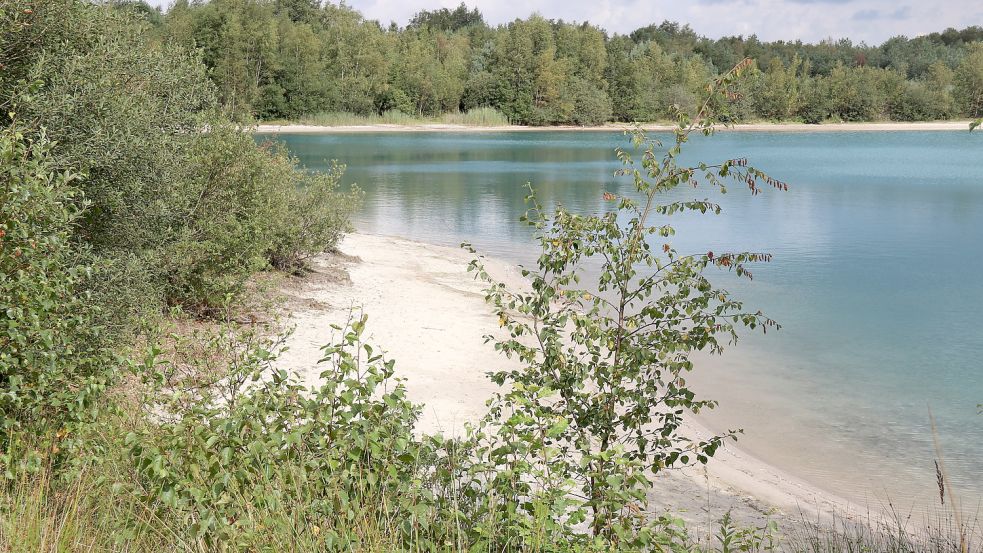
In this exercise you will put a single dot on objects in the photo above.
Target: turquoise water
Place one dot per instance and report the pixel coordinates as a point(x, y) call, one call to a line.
point(877, 278)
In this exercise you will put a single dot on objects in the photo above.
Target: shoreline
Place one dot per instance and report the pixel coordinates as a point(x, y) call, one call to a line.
point(427, 313)
point(621, 127)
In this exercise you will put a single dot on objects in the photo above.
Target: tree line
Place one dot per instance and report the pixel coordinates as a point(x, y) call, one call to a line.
point(283, 59)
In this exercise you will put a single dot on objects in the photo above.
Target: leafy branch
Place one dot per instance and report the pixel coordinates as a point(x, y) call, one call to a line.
point(602, 376)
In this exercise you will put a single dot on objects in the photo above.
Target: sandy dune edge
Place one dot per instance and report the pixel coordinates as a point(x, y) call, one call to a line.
point(748, 127)
point(429, 315)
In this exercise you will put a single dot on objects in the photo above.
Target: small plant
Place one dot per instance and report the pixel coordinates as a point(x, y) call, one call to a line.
point(734, 539)
point(599, 403)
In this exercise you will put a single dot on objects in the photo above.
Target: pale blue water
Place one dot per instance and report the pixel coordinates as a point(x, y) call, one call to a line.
point(877, 277)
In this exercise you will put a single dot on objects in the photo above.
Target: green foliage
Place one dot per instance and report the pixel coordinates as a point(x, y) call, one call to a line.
point(140, 8)
point(854, 94)
point(122, 189)
point(225, 452)
point(778, 96)
point(448, 20)
point(285, 60)
point(591, 106)
point(430, 71)
point(54, 362)
point(968, 80)
point(260, 455)
point(599, 402)
point(174, 215)
point(231, 204)
point(313, 217)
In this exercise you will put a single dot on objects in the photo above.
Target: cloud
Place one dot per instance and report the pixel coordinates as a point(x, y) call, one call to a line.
point(866, 15)
point(873, 15)
point(903, 12)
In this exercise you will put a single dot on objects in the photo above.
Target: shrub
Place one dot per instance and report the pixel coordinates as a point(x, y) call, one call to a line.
point(184, 206)
point(313, 218)
point(394, 99)
point(598, 404)
point(969, 82)
point(816, 105)
point(913, 101)
point(232, 452)
point(54, 364)
point(257, 456)
point(225, 211)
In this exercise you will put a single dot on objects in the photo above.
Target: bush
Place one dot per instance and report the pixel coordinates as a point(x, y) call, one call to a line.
point(914, 102)
point(312, 219)
point(969, 82)
point(184, 206)
point(598, 404)
point(241, 455)
point(816, 104)
point(259, 457)
point(480, 90)
point(54, 364)
point(394, 99)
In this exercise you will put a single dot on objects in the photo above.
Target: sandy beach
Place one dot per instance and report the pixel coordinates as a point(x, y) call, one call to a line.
point(744, 127)
point(426, 311)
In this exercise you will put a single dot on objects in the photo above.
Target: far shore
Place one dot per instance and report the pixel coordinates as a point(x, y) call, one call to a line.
point(429, 315)
point(267, 128)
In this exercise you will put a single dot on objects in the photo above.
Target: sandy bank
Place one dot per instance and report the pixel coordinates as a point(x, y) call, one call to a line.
point(429, 315)
point(748, 127)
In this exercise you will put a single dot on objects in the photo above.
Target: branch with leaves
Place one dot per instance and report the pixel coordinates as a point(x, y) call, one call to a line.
point(602, 385)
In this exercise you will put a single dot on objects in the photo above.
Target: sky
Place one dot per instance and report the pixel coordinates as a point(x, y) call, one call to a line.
point(870, 21)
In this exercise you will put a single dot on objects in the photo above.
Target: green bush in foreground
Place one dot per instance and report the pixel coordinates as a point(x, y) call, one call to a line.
point(313, 217)
point(599, 402)
point(53, 366)
point(262, 458)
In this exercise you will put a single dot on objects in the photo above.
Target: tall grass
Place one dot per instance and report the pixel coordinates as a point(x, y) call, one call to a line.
point(38, 517)
point(478, 117)
point(941, 532)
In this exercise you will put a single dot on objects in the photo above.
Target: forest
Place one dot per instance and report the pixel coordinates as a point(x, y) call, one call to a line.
point(287, 59)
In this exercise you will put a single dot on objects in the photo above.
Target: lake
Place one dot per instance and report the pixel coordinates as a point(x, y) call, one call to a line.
point(877, 278)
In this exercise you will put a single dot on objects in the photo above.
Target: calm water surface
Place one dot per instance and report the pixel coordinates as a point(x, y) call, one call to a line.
point(877, 278)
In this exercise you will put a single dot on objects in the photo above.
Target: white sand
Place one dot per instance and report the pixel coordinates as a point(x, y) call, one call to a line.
point(778, 127)
point(426, 311)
